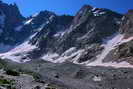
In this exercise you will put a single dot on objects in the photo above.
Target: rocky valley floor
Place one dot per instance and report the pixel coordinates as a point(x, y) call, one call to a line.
point(45, 75)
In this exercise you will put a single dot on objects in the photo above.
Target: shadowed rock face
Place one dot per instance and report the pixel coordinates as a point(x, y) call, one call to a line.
point(12, 14)
point(124, 51)
point(15, 28)
point(57, 34)
point(81, 15)
point(90, 53)
point(127, 24)
point(46, 39)
point(88, 28)
point(11, 18)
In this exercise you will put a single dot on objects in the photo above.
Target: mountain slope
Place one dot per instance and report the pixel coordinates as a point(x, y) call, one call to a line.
point(123, 51)
point(93, 37)
point(82, 41)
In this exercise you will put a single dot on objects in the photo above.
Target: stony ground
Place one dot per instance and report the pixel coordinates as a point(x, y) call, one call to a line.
point(38, 74)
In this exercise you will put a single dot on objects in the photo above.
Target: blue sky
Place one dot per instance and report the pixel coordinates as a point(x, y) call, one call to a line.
point(29, 7)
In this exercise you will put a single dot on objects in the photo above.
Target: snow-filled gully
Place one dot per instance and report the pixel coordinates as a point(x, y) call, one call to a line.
point(109, 44)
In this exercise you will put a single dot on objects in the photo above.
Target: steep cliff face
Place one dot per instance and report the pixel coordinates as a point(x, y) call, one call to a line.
point(19, 34)
point(89, 26)
point(124, 51)
point(79, 40)
point(94, 36)
point(15, 29)
point(10, 19)
point(127, 24)
point(47, 38)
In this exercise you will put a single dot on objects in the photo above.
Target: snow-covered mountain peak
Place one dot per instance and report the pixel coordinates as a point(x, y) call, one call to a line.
point(92, 37)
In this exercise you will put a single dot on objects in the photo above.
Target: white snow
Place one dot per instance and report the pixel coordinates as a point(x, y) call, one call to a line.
point(97, 79)
point(59, 34)
point(126, 40)
point(72, 58)
point(101, 13)
point(69, 51)
point(51, 17)
point(113, 64)
point(123, 18)
point(94, 8)
point(73, 54)
point(86, 35)
point(50, 57)
point(35, 15)
point(18, 52)
point(109, 44)
point(98, 12)
point(28, 22)
point(69, 55)
point(77, 56)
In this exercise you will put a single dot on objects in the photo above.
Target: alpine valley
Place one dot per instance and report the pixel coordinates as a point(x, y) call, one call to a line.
point(91, 50)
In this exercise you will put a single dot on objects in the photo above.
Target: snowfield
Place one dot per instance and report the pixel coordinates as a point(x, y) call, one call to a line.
point(109, 44)
point(28, 22)
point(66, 56)
point(18, 52)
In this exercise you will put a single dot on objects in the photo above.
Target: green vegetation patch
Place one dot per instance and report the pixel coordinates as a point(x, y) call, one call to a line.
point(12, 72)
point(4, 81)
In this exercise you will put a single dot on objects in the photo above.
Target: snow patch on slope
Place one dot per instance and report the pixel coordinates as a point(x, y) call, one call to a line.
point(59, 34)
point(109, 44)
point(126, 40)
point(50, 57)
point(35, 15)
point(98, 12)
point(73, 57)
point(71, 54)
point(19, 52)
point(28, 22)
